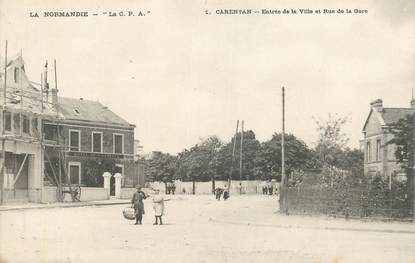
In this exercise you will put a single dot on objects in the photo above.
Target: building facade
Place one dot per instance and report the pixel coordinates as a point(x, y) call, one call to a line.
point(48, 140)
point(379, 156)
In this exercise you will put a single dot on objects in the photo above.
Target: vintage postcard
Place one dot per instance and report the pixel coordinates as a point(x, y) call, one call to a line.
point(207, 131)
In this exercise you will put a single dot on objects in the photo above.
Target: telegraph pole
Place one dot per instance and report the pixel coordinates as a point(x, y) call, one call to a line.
point(240, 158)
point(233, 156)
point(283, 180)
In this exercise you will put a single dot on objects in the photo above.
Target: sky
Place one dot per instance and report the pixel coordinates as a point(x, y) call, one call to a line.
point(180, 75)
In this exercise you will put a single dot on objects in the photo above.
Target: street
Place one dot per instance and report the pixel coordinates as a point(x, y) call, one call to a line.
point(198, 229)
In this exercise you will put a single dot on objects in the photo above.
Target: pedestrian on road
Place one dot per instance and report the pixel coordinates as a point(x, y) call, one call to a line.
point(137, 203)
point(158, 206)
point(225, 193)
point(218, 193)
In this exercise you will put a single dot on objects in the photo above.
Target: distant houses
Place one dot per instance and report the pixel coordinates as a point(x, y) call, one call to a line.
point(379, 157)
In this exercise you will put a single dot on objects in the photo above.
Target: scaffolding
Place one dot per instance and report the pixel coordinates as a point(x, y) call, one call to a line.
point(27, 100)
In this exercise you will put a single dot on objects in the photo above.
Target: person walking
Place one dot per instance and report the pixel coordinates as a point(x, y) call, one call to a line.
point(225, 193)
point(218, 193)
point(138, 204)
point(158, 206)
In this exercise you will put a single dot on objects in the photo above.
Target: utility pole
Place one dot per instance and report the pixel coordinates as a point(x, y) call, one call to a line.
point(283, 180)
point(3, 152)
point(233, 156)
point(240, 158)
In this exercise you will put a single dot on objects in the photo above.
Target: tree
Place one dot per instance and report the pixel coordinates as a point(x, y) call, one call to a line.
point(161, 167)
point(404, 139)
point(268, 160)
point(250, 148)
point(331, 148)
point(331, 140)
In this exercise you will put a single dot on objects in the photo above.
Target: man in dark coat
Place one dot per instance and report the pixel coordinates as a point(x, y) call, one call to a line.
point(137, 202)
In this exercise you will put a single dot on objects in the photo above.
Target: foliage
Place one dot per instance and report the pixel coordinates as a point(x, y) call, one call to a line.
point(250, 148)
point(94, 169)
point(331, 147)
point(200, 162)
point(404, 139)
point(268, 160)
point(331, 139)
point(161, 167)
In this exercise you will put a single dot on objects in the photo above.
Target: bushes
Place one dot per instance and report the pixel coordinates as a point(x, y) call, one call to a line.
point(338, 193)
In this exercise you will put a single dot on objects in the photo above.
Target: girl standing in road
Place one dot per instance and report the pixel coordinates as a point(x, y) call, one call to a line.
point(158, 206)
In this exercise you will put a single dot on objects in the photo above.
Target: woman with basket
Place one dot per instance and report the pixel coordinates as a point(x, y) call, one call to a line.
point(137, 203)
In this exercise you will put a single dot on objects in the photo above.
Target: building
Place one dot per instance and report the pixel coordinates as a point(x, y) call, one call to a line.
point(21, 132)
point(51, 142)
point(379, 157)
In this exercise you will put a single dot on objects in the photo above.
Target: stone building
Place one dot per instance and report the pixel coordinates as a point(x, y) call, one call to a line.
point(379, 157)
point(48, 139)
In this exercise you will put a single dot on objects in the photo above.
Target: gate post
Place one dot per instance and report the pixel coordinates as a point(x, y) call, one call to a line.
point(107, 179)
point(118, 178)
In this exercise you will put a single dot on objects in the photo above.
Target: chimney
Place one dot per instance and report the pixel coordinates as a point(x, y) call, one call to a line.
point(377, 105)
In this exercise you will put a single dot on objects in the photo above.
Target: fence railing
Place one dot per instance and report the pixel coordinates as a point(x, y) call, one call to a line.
point(357, 203)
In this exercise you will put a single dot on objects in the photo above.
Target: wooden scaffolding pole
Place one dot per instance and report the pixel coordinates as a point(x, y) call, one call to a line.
point(3, 152)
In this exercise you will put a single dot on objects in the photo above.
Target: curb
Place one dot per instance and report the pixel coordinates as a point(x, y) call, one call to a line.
point(69, 205)
point(391, 231)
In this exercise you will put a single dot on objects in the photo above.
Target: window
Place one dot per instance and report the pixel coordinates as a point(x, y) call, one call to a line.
point(378, 146)
point(368, 152)
point(75, 172)
point(26, 124)
point(34, 127)
point(118, 140)
point(96, 142)
point(16, 75)
point(8, 121)
point(74, 140)
point(50, 132)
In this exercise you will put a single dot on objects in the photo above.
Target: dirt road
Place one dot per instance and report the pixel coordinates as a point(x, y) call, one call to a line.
point(198, 229)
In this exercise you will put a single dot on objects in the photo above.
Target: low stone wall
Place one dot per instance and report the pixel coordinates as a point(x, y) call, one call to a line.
point(87, 194)
point(18, 195)
point(127, 193)
point(205, 188)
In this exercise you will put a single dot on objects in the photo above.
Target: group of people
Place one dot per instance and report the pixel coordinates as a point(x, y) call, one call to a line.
point(170, 188)
point(268, 188)
point(138, 203)
point(222, 191)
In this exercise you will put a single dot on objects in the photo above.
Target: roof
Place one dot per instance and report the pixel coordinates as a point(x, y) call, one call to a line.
point(388, 116)
point(88, 110)
point(392, 115)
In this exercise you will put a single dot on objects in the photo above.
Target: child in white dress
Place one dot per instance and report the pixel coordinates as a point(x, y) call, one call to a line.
point(158, 206)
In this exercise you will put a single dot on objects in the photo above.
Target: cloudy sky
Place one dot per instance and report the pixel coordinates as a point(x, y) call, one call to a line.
point(179, 74)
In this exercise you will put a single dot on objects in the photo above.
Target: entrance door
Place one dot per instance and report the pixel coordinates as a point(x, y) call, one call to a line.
point(16, 177)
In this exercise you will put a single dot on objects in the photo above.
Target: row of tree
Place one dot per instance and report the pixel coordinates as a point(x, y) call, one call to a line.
point(211, 159)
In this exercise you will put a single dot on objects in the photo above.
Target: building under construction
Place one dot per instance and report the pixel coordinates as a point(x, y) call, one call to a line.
point(53, 146)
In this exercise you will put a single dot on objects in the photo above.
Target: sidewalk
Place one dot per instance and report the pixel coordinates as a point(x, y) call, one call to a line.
point(265, 213)
point(26, 206)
